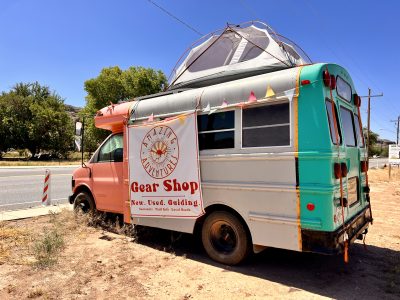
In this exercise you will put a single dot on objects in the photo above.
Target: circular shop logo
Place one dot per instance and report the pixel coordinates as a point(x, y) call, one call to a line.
point(159, 152)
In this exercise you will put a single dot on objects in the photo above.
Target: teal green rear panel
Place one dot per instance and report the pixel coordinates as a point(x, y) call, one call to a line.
point(317, 154)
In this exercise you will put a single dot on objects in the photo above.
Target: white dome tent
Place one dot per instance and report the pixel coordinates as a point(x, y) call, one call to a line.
point(235, 52)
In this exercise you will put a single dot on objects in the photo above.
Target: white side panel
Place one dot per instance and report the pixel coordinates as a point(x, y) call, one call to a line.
point(181, 225)
point(248, 171)
point(262, 191)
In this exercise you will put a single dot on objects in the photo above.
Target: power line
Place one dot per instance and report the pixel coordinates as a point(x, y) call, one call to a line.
point(354, 62)
point(176, 18)
point(393, 105)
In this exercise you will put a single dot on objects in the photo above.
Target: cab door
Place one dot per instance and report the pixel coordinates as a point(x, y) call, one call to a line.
point(108, 175)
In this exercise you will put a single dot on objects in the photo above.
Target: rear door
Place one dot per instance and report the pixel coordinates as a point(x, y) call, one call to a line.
point(349, 125)
point(352, 157)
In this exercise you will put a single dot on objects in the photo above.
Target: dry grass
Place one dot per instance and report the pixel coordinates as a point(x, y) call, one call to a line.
point(37, 163)
point(66, 225)
point(40, 245)
point(379, 175)
point(12, 159)
point(12, 237)
point(94, 263)
point(35, 293)
point(48, 247)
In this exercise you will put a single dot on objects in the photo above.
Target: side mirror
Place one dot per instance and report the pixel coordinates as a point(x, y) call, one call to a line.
point(78, 128)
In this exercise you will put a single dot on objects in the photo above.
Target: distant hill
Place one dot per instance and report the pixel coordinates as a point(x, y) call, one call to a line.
point(73, 111)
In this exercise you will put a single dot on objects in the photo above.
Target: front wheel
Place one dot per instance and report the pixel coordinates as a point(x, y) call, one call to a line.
point(225, 238)
point(84, 203)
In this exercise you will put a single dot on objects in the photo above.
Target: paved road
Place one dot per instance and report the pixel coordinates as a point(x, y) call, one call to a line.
point(23, 187)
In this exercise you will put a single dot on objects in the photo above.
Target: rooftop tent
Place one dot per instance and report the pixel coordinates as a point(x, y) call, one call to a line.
point(235, 52)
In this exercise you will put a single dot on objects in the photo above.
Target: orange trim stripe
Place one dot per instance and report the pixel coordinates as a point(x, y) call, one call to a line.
point(296, 153)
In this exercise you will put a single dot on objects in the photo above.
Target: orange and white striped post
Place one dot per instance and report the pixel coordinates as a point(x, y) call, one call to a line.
point(46, 199)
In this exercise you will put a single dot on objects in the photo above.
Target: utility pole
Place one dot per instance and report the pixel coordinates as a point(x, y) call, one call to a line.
point(398, 122)
point(369, 115)
point(369, 119)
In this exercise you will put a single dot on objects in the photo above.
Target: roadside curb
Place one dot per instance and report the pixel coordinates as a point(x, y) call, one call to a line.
point(32, 212)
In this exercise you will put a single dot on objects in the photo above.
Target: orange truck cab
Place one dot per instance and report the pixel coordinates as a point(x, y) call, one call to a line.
point(102, 183)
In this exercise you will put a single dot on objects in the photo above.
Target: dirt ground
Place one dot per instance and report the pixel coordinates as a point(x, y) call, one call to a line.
point(96, 263)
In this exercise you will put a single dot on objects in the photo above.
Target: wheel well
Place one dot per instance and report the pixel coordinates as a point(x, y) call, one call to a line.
point(83, 188)
point(219, 207)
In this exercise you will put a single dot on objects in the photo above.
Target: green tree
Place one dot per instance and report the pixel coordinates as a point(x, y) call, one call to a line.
point(33, 117)
point(14, 114)
point(113, 85)
point(373, 148)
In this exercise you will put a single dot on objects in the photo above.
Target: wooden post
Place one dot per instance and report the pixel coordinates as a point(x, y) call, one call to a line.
point(390, 171)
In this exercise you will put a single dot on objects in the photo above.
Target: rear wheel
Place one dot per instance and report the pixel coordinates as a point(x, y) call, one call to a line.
point(225, 238)
point(84, 203)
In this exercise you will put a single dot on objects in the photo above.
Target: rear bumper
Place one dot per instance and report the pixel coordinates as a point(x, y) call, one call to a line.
point(332, 242)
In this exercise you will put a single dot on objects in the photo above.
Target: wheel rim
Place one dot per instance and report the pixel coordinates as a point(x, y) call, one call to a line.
point(83, 204)
point(223, 237)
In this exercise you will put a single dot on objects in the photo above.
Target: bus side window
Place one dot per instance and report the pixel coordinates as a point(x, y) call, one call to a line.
point(360, 136)
point(348, 127)
point(112, 149)
point(343, 89)
point(216, 131)
point(328, 105)
point(266, 126)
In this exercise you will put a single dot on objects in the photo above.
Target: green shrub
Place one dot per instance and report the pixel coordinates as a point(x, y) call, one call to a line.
point(48, 247)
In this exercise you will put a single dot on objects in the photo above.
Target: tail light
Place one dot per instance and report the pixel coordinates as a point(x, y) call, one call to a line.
point(345, 171)
point(364, 166)
point(327, 78)
point(310, 206)
point(333, 82)
point(357, 100)
point(337, 170)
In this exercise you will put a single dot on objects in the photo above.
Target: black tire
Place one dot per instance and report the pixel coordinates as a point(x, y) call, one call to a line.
point(225, 238)
point(84, 203)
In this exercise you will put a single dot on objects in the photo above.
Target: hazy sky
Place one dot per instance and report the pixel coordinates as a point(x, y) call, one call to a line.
point(63, 43)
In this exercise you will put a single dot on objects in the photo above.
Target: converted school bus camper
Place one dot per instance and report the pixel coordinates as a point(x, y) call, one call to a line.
point(282, 156)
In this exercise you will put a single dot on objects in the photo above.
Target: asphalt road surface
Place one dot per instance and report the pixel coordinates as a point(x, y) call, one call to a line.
point(22, 187)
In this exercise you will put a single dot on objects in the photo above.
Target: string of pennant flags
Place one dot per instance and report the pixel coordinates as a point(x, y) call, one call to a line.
point(270, 94)
point(252, 99)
